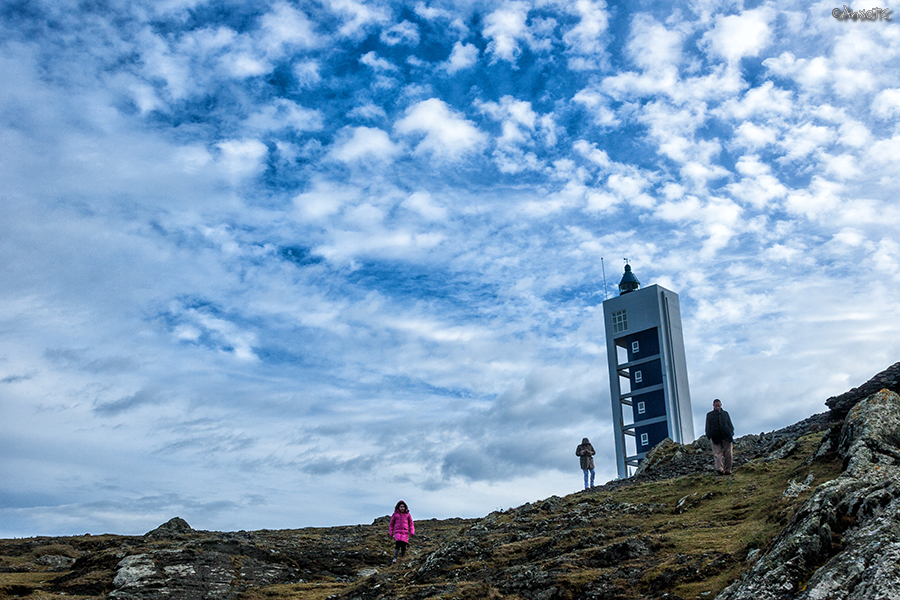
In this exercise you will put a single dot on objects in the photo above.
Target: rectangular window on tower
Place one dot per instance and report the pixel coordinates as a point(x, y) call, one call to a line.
point(620, 321)
point(635, 347)
point(645, 439)
point(642, 408)
point(638, 377)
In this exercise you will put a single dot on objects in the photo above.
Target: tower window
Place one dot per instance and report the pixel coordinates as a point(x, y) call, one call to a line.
point(620, 321)
point(642, 408)
point(635, 347)
point(638, 377)
point(645, 439)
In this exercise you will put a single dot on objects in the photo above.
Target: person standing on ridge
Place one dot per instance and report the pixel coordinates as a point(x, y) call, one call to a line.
point(586, 452)
point(720, 432)
point(401, 528)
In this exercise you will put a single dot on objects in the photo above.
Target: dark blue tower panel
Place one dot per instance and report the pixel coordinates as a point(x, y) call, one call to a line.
point(655, 433)
point(648, 406)
point(646, 375)
point(642, 344)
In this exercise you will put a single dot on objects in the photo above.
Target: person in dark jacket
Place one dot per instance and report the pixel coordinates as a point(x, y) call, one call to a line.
point(720, 432)
point(586, 452)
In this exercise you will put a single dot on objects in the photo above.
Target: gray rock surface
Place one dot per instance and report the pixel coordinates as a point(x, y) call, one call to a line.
point(844, 543)
point(175, 574)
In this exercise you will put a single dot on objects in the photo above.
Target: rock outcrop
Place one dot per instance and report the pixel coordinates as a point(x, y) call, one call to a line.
point(889, 379)
point(173, 528)
point(844, 543)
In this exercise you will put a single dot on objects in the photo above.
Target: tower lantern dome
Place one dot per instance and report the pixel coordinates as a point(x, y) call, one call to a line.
point(629, 282)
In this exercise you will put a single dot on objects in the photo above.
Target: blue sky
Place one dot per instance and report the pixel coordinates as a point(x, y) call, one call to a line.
point(280, 264)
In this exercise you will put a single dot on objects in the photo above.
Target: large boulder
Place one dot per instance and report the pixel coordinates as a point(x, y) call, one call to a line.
point(172, 528)
point(844, 542)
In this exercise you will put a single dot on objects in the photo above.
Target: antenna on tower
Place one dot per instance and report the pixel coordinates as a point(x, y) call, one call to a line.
point(605, 285)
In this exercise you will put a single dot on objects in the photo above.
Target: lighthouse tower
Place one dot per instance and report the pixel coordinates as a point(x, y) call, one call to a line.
point(648, 380)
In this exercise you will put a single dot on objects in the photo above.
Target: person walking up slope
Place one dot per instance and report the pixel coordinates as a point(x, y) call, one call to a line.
point(720, 432)
point(401, 528)
point(586, 452)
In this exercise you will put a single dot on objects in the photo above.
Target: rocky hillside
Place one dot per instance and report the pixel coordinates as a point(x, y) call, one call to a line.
point(812, 512)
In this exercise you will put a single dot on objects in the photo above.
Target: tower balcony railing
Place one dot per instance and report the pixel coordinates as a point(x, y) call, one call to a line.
point(627, 396)
point(627, 365)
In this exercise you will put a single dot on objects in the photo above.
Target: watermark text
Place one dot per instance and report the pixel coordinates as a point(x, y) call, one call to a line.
point(872, 14)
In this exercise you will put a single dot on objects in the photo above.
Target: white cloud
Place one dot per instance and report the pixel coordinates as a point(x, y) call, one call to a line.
point(424, 204)
point(884, 152)
point(763, 101)
point(324, 199)
point(286, 27)
point(405, 33)
point(572, 195)
point(374, 241)
point(357, 16)
point(242, 158)
point(886, 258)
point(371, 59)
point(461, 57)
point(592, 153)
point(758, 186)
point(599, 106)
point(802, 140)
point(430, 13)
point(812, 75)
point(585, 41)
point(285, 114)
point(170, 65)
point(737, 36)
point(307, 73)
point(886, 103)
point(685, 209)
point(368, 111)
point(447, 134)
point(751, 135)
point(631, 188)
point(854, 134)
point(652, 46)
point(243, 64)
point(600, 201)
point(519, 125)
point(517, 117)
point(505, 27)
point(370, 144)
point(842, 166)
point(817, 201)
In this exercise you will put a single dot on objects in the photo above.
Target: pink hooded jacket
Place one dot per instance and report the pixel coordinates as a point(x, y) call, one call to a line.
point(402, 526)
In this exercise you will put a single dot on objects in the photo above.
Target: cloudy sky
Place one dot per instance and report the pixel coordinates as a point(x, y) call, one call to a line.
point(279, 264)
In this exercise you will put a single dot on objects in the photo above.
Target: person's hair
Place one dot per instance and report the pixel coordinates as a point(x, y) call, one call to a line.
point(717, 400)
point(585, 441)
point(397, 508)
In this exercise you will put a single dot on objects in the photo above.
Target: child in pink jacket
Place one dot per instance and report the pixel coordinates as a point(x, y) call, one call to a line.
point(402, 527)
